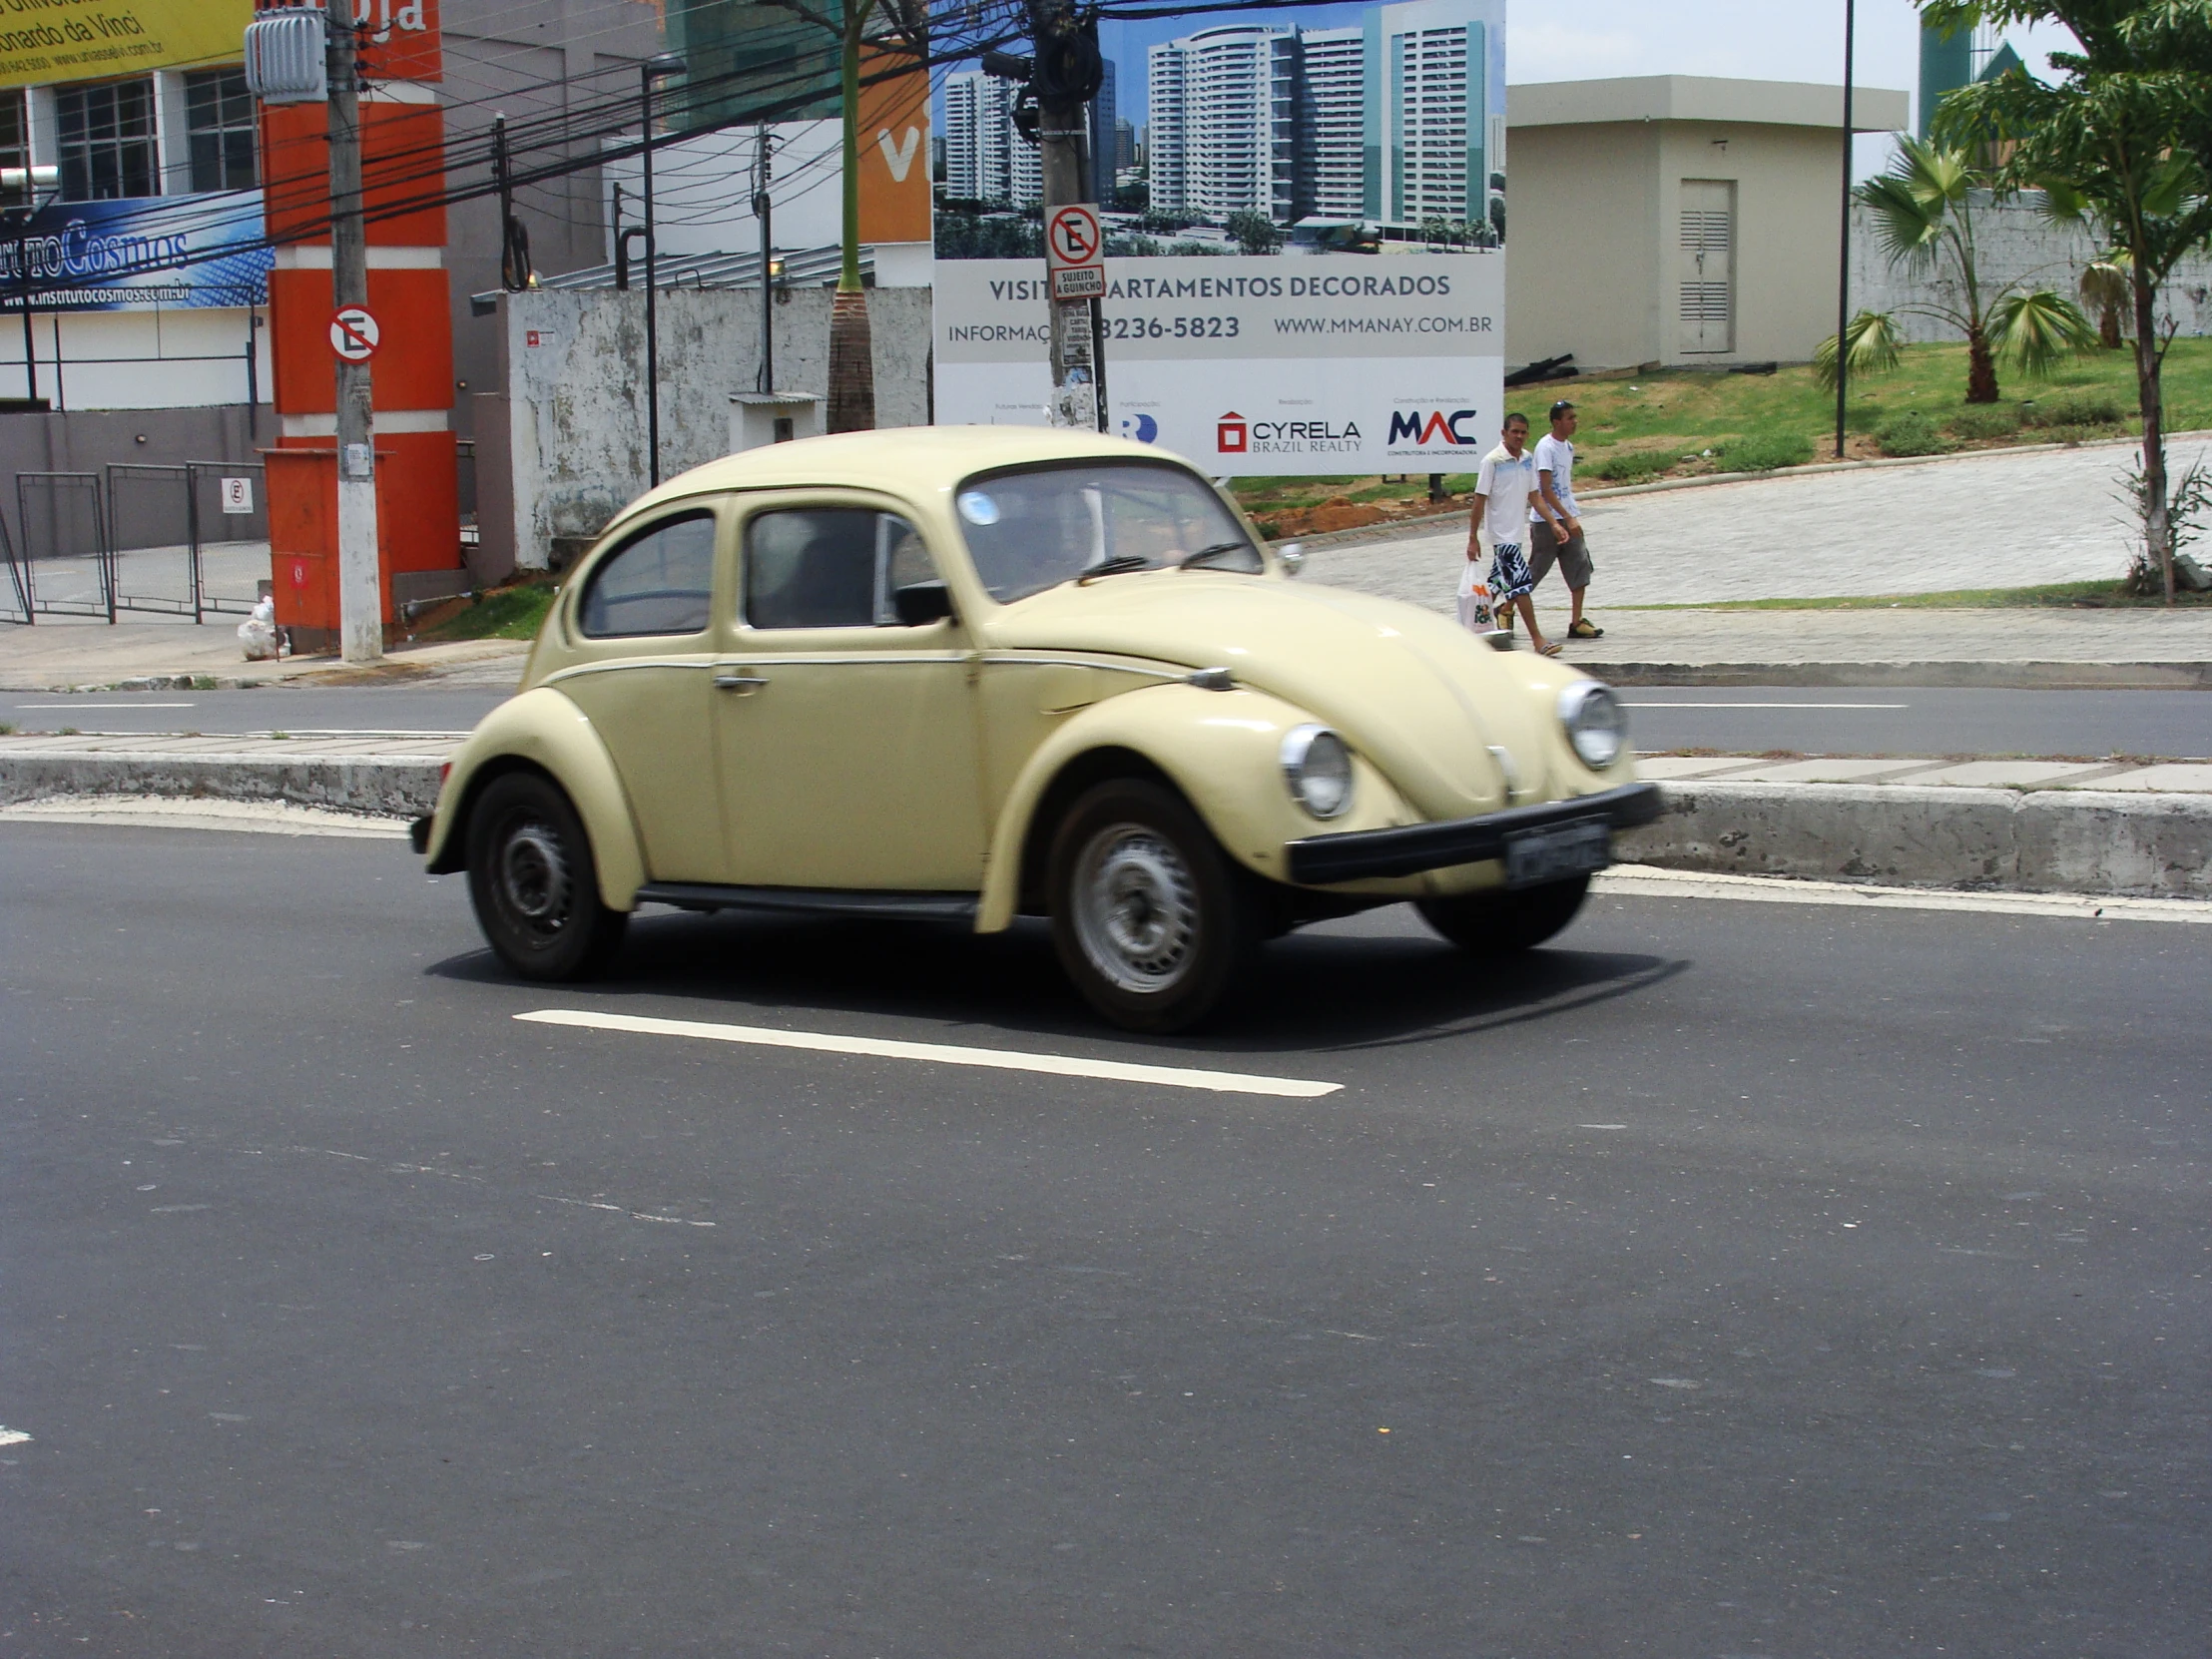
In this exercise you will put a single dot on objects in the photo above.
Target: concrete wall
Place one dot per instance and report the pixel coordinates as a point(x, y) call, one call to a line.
point(1582, 240)
point(86, 440)
point(2013, 242)
point(575, 400)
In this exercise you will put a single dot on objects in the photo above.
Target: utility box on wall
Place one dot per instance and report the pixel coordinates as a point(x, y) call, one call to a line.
point(757, 418)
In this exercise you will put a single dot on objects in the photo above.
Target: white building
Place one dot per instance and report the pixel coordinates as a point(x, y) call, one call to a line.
point(986, 159)
point(1232, 106)
point(1336, 91)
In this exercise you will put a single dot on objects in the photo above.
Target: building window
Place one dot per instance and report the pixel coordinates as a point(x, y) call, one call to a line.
point(106, 140)
point(15, 150)
point(219, 115)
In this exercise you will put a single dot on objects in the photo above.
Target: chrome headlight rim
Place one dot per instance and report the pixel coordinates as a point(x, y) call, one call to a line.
point(1595, 722)
point(1298, 755)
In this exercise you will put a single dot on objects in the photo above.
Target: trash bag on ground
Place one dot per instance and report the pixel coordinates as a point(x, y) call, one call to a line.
point(258, 633)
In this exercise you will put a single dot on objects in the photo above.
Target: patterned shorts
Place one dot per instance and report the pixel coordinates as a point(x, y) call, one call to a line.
point(1509, 577)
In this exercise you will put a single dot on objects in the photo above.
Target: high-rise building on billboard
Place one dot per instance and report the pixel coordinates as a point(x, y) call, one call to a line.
point(986, 160)
point(1388, 122)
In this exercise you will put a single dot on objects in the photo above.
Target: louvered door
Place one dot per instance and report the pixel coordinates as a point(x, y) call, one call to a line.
point(1707, 267)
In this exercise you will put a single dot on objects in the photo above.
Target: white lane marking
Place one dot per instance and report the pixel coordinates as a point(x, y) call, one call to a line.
point(1770, 704)
point(996, 1059)
point(107, 705)
point(1648, 882)
point(12, 1436)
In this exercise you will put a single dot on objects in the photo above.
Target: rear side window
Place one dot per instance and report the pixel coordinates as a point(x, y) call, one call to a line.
point(829, 567)
point(659, 582)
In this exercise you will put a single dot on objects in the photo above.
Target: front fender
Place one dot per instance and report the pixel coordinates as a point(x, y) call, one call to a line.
point(542, 728)
point(1220, 748)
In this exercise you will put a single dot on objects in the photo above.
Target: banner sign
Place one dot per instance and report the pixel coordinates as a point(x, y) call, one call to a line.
point(1248, 365)
point(142, 254)
point(77, 40)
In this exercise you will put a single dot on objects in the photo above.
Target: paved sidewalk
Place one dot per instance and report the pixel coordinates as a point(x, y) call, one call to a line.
point(1986, 520)
point(57, 654)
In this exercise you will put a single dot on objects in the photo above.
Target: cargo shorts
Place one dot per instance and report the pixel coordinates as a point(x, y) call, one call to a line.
point(1544, 551)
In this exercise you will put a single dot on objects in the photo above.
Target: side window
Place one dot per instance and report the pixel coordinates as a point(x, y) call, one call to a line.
point(829, 567)
point(659, 582)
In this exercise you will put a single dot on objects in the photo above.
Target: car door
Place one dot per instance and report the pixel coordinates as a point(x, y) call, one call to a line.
point(846, 740)
point(643, 623)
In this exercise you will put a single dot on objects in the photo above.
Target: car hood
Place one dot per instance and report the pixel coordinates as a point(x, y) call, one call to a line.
point(1420, 697)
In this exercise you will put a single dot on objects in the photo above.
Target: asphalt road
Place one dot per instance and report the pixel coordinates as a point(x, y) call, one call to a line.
point(1735, 719)
point(1735, 1279)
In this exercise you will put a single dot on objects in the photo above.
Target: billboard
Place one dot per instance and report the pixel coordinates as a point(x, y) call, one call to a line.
point(1305, 227)
point(1250, 365)
point(141, 253)
point(76, 40)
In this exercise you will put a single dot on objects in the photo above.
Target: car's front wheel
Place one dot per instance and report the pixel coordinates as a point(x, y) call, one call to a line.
point(1500, 924)
point(535, 887)
point(1150, 918)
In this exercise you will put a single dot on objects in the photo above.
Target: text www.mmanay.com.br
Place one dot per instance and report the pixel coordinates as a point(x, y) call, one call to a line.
point(1383, 325)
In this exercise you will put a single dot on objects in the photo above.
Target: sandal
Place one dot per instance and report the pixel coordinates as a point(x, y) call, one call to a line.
point(1551, 647)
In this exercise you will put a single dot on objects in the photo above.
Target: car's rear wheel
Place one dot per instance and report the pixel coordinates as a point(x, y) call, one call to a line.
point(1151, 920)
point(1502, 923)
point(535, 887)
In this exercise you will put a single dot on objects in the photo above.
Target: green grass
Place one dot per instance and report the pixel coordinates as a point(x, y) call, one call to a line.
point(2064, 595)
point(1667, 416)
point(513, 612)
point(1912, 432)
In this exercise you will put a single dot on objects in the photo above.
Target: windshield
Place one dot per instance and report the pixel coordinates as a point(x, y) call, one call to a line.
point(1035, 529)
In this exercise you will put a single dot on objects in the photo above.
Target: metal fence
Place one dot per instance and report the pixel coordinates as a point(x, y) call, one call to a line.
point(176, 540)
point(63, 567)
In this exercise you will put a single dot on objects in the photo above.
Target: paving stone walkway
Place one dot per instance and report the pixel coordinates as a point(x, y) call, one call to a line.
point(1991, 520)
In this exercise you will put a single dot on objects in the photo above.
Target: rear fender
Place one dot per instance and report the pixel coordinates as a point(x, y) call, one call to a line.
point(542, 729)
point(1220, 748)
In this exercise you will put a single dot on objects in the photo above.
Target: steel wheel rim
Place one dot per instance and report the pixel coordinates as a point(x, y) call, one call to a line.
point(1136, 908)
point(533, 880)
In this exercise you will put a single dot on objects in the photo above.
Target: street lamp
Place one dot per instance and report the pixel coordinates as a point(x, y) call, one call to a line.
point(650, 73)
point(27, 182)
point(1842, 254)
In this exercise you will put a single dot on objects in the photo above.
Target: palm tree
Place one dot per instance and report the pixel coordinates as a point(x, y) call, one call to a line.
point(851, 347)
point(2105, 282)
point(1923, 210)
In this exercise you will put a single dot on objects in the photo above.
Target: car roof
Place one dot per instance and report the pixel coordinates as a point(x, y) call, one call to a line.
point(914, 462)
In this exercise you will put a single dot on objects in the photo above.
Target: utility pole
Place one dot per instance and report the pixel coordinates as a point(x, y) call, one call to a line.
point(1066, 77)
point(360, 585)
point(766, 380)
point(649, 72)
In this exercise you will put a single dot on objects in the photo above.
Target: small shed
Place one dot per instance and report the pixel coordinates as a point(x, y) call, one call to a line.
point(1678, 220)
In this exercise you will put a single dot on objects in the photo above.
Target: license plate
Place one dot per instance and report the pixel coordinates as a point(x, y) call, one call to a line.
point(1558, 851)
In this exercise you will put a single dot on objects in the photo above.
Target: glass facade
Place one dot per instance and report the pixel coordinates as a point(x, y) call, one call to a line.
point(219, 122)
point(106, 140)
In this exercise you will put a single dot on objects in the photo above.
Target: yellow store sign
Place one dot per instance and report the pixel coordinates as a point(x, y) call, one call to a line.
point(84, 40)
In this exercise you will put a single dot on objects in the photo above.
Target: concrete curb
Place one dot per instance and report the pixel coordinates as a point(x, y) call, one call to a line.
point(2044, 840)
point(384, 788)
point(1995, 675)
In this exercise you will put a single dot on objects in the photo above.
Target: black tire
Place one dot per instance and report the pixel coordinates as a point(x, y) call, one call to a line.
point(1502, 923)
point(1152, 921)
point(534, 885)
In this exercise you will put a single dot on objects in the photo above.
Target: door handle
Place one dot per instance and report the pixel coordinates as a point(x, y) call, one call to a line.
point(739, 682)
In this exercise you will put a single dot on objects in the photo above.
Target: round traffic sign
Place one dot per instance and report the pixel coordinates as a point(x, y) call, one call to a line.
point(354, 334)
point(1072, 236)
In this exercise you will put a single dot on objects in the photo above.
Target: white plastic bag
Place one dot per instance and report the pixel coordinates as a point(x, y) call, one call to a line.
point(258, 633)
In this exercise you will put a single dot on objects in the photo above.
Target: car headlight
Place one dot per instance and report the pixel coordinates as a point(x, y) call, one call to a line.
point(1596, 724)
point(1318, 768)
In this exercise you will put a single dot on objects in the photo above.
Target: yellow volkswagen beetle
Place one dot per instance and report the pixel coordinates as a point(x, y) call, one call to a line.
point(978, 673)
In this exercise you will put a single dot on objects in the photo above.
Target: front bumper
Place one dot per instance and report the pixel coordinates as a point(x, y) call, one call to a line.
point(1319, 861)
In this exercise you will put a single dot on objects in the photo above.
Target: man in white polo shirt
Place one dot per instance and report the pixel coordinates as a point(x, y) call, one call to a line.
point(1506, 498)
point(1546, 547)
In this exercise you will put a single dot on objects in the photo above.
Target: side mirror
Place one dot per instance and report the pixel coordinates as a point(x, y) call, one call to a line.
point(919, 602)
point(1292, 556)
